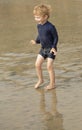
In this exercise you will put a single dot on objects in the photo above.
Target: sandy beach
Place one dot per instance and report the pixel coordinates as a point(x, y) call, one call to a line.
point(21, 106)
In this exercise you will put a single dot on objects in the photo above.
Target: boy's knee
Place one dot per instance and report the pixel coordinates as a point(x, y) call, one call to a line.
point(37, 65)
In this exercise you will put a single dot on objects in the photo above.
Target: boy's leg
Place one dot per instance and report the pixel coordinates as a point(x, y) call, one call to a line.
point(38, 65)
point(51, 72)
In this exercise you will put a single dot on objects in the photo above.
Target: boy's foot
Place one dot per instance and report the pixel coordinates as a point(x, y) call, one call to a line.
point(50, 87)
point(38, 84)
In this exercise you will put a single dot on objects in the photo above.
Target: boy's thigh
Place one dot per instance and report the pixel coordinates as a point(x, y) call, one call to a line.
point(50, 64)
point(39, 60)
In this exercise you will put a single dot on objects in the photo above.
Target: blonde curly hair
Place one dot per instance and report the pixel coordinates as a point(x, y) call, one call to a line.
point(42, 10)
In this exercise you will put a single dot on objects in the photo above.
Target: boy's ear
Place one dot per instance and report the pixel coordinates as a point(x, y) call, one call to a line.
point(46, 16)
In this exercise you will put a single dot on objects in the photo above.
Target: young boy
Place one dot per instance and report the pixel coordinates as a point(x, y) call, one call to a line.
point(48, 38)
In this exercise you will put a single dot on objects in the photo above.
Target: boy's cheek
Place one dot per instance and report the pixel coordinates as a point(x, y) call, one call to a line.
point(37, 19)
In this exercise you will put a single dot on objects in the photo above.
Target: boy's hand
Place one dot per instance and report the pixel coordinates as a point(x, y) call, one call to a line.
point(32, 42)
point(53, 51)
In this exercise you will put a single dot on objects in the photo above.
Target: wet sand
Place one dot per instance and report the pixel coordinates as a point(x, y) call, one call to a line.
point(21, 106)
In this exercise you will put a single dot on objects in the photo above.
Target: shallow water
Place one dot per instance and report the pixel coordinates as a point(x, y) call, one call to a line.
point(21, 106)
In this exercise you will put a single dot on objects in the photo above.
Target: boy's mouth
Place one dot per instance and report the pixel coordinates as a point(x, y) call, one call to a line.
point(37, 19)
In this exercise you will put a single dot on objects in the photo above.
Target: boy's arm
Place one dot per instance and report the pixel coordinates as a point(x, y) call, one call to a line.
point(55, 36)
point(37, 41)
point(54, 46)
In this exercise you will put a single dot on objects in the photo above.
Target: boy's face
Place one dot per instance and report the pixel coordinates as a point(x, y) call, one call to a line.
point(40, 19)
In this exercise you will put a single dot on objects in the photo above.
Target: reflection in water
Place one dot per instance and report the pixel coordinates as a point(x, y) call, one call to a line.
point(52, 119)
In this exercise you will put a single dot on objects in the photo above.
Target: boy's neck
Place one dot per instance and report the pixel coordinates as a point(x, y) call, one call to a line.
point(43, 22)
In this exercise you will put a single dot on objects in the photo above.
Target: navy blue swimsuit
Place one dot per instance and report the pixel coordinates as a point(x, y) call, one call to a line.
point(48, 38)
point(47, 35)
